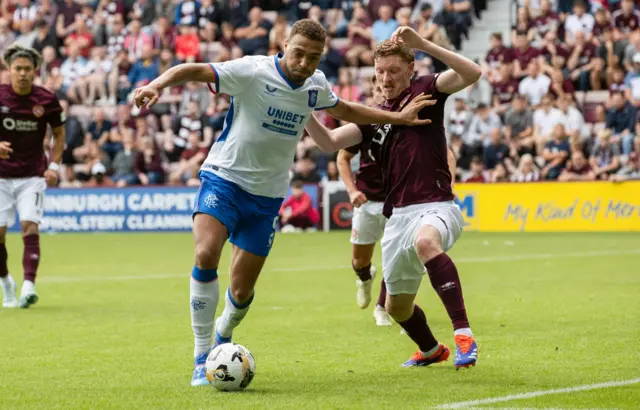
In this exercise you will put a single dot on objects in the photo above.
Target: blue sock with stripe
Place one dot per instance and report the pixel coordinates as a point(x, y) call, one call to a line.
point(234, 312)
point(205, 294)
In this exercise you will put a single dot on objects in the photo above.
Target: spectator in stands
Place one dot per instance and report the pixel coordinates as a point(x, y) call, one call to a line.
point(527, 170)
point(578, 22)
point(626, 19)
point(505, 87)
point(187, 44)
point(305, 171)
point(459, 119)
point(616, 81)
point(279, 33)
point(611, 52)
point(518, 127)
point(187, 13)
point(137, 41)
point(621, 120)
point(197, 92)
point(432, 27)
point(631, 171)
point(191, 159)
point(95, 76)
point(45, 36)
point(547, 21)
point(553, 53)
point(98, 131)
point(25, 12)
point(482, 124)
point(330, 61)
point(346, 89)
point(297, 211)
point(545, 118)
point(145, 70)
point(177, 138)
point(360, 37)
point(74, 134)
point(332, 171)
point(48, 11)
point(477, 173)
point(81, 37)
point(253, 36)
point(605, 155)
point(535, 85)
point(556, 153)
point(149, 163)
point(572, 119)
point(561, 87)
point(67, 10)
point(500, 173)
point(384, 27)
point(6, 35)
point(71, 69)
point(585, 70)
point(463, 154)
point(632, 81)
point(602, 22)
point(99, 177)
point(524, 25)
point(27, 36)
point(498, 55)
point(124, 163)
point(496, 151)
point(111, 9)
point(523, 55)
point(578, 169)
point(50, 65)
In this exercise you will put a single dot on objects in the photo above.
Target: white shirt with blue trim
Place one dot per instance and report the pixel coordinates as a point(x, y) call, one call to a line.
point(265, 121)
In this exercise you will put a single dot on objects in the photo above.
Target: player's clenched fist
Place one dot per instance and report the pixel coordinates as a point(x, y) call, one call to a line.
point(146, 96)
point(5, 150)
point(51, 177)
point(357, 198)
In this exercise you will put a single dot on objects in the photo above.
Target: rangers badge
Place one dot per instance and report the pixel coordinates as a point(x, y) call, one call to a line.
point(38, 110)
point(313, 98)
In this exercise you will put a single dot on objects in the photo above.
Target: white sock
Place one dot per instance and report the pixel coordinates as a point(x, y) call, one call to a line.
point(232, 315)
point(204, 302)
point(464, 331)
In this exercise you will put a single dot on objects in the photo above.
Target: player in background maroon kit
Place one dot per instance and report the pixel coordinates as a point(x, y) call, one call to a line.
point(366, 193)
point(25, 112)
point(424, 221)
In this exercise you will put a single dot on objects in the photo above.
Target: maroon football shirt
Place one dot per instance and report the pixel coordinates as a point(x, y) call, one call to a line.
point(498, 56)
point(525, 56)
point(626, 23)
point(413, 159)
point(23, 122)
point(369, 178)
point(505, 90)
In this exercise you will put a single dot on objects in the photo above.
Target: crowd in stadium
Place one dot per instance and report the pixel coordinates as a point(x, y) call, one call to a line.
point(558, 99)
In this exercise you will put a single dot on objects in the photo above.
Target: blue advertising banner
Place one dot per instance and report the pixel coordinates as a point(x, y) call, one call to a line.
point(144, 209)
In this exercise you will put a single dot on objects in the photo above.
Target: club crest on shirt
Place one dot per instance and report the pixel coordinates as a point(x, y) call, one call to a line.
point(313, 98)
point(38, 110)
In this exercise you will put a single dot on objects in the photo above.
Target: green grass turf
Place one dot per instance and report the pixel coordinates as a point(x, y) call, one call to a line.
point(547, 311)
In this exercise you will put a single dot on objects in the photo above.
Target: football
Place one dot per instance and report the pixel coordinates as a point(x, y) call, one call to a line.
point(230, 367)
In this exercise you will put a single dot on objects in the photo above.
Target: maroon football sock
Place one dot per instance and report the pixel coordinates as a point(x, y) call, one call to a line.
point(418, 330)
point(31, 256)
point(446, 282)
point(363, 273)
point(382, 297)
point(4, 271)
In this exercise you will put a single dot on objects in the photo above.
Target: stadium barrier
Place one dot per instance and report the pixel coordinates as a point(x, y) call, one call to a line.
point(145, 209)
point(526, 207)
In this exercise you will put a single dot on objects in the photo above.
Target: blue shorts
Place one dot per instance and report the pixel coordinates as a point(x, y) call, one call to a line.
point(250, 219)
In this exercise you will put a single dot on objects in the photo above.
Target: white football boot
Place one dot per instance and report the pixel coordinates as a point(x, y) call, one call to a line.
point(381, 316)
point(28, 295)
point(363, 295)
point(9, 288)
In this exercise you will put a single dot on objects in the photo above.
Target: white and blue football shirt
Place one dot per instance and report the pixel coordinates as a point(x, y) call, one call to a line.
point(265, 121)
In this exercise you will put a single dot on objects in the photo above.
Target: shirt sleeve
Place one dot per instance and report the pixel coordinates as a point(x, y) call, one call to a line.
point(233, 77)
point(326, 97)
point(55, 115)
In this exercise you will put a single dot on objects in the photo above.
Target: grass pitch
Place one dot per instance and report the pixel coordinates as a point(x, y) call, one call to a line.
point(112, 327)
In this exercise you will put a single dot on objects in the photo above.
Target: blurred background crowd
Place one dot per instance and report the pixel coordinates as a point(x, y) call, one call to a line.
point(558, 99)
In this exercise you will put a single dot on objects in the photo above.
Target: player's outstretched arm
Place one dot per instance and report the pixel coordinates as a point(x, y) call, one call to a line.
point(333, 140)
point(149, 94)
point(463, 72)
point(59, 137)
point(361, 114)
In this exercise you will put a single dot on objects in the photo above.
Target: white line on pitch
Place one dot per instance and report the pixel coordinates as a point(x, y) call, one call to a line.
point(487, 259)
point(538, 393)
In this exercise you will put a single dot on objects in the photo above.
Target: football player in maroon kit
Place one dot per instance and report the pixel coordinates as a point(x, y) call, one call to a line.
point(25, 112)
point(366, 193)
point(424, 221)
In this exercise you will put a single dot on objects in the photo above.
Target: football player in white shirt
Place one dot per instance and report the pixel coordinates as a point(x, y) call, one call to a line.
point(245, 177)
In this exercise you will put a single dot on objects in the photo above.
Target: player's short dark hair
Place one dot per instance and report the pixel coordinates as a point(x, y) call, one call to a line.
point(17, 51)
point(391, 48)
point(309, 29)
point(297, 183)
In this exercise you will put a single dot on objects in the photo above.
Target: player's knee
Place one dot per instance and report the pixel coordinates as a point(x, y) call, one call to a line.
point(398, 311)
point(29, 228)
point(427, 247)
point(207, 256)
point(360, 262)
